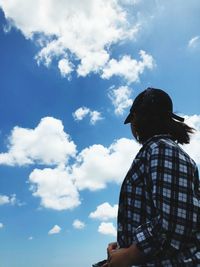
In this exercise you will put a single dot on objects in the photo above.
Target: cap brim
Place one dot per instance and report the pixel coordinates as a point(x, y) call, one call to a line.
point(178, 118)
point(128, 119)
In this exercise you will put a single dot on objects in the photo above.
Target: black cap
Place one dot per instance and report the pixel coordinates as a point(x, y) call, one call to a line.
point(153, 101)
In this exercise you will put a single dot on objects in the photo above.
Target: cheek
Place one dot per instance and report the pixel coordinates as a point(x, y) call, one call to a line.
point(133, 130)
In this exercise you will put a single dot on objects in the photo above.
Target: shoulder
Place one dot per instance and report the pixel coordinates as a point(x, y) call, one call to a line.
point(157, 144)
point(163, 146)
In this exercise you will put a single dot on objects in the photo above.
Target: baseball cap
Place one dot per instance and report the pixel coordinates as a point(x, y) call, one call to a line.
point(153, 101)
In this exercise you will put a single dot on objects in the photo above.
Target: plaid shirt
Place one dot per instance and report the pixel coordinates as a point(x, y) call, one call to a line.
point(159, 205)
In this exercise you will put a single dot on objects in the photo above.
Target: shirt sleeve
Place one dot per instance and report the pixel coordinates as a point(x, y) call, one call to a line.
point(172, 186)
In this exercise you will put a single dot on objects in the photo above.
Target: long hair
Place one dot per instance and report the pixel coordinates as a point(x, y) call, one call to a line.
point(145, 126)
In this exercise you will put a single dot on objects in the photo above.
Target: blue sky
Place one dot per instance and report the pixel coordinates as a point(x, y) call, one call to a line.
point(68, 74)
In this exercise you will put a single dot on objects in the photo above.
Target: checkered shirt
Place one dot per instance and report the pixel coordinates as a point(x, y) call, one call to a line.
point(159, 205)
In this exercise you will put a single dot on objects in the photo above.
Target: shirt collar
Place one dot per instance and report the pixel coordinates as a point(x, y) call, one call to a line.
point(158, 136)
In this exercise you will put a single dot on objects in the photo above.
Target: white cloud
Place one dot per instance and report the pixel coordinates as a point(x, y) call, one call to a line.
point(194, 147)
point(194, 42)
point(94, 167)
point(11, 200)
point(98, 165)
point(104, 212)
point(80, 30)
point(55, 188)
point(4, 200)
point(65, 67)
point(92, 62)
point(77, 224)
point(130, 2)
point(30, 238)
point(82, 112)
point(1, 225)
point(58, 187)
point(128, 68)
point(46, 144)
point(120, 98)
point(95, 116)
point(7, 28)
point(55, 230)
point(107, 229)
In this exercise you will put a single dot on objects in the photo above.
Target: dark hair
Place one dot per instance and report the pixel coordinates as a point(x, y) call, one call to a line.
point(145, 126)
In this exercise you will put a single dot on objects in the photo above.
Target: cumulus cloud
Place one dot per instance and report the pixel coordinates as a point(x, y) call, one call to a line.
point(104, 212)
point(55, 230)
point(58, 186)
point(107, 229)
point(10, 200)
point(194, 147)
point(80, 30)
point(128, 68)
point(93, 168)
point(95, 116)
point(129, 2)
point(1, 225)
point(120, 98)
point(82, 112)
point(92, 62)
point(7, 28)
point(55, 188)
point(194, 42)
point(97, 165)
point(4, 200)
point(65, 67)
point(46, 144)
point(77, 224)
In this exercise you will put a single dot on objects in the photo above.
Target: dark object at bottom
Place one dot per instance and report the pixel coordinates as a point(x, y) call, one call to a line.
point(100, 263)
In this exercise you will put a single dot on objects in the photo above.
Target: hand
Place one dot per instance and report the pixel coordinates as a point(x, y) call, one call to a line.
point(111, 247)
point(117, 257)
point(124, 257)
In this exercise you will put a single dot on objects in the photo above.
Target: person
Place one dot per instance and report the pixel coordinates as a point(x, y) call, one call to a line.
point(159, 203)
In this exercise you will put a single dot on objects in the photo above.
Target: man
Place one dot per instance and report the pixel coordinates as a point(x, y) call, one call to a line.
point(159, 204)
